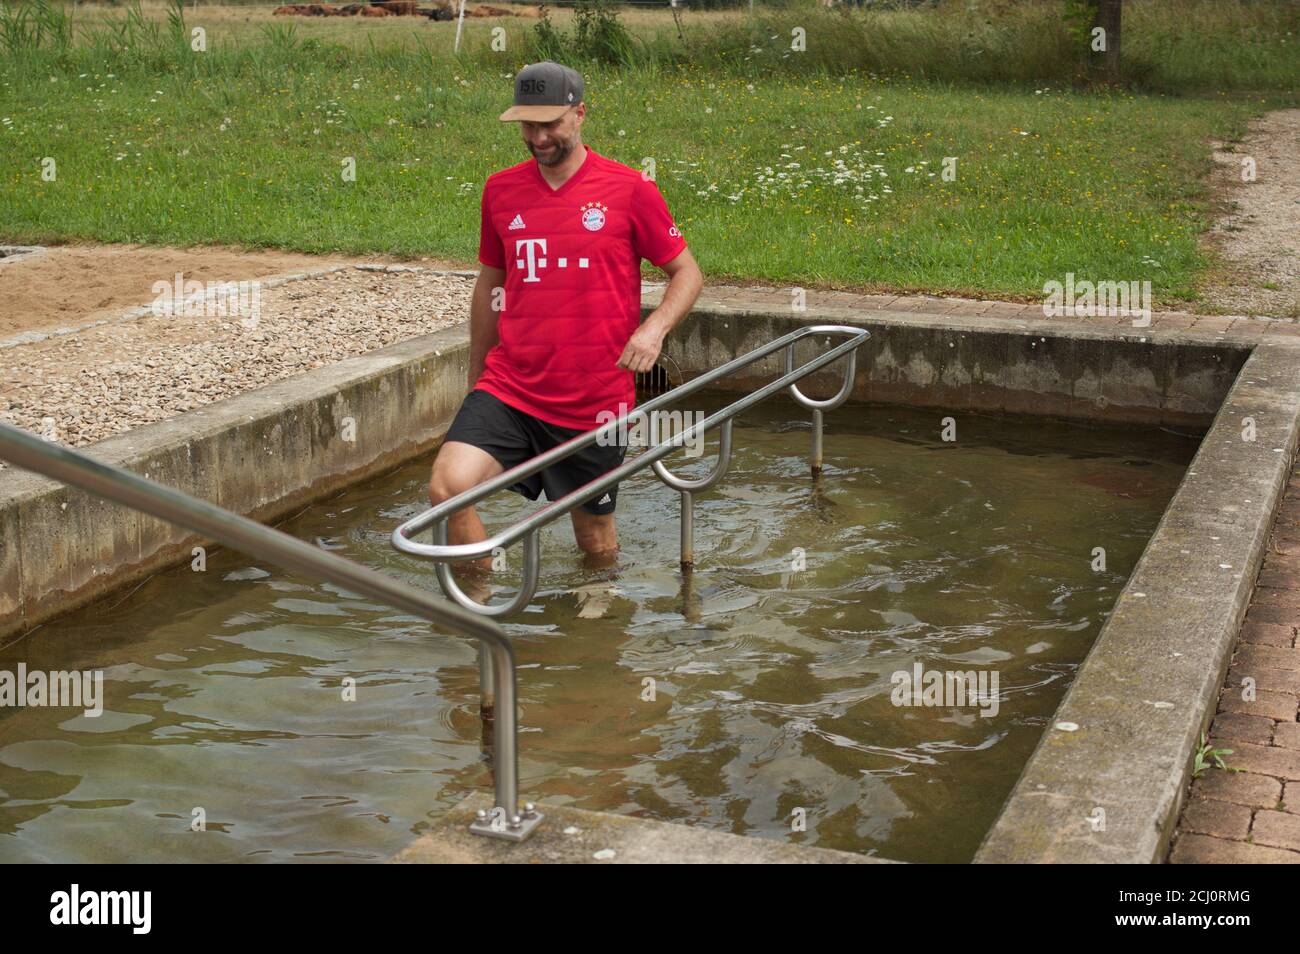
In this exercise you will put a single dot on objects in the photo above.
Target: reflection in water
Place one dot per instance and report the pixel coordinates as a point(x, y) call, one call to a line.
point(757, 686)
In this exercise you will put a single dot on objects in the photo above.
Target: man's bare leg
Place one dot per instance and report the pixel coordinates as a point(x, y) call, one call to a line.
point(597, 537)
point(456, 469)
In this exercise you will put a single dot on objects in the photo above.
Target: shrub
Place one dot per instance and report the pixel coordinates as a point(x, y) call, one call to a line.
point(599, 36)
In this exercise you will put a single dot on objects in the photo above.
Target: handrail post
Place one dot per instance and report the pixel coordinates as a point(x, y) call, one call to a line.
point(486, 687)
point(506, 820)
point(688, 531)
point(818, 406)
point(817, 442)
point(687, 486)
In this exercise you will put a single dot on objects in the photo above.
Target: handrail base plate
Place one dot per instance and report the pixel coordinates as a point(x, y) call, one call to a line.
point(491, 828)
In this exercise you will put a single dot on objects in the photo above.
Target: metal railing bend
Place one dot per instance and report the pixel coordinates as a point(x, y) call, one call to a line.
point(239, 533)
point(527, 529)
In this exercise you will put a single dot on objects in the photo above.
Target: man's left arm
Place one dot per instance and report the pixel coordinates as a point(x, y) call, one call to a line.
point(684, 283)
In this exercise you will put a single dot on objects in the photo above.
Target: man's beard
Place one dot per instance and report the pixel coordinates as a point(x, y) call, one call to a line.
point(563, 148)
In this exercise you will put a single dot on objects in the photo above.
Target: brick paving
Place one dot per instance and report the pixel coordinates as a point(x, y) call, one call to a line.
point(1253, 815)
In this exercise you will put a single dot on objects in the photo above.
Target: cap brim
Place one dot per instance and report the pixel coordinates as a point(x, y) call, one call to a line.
point(533, 114)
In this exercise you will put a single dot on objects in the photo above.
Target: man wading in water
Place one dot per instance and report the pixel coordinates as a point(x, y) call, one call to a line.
point(555, 319)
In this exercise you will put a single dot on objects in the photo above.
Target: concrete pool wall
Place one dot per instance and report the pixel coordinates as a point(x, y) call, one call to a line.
point(988, 365)
point(1139, 701)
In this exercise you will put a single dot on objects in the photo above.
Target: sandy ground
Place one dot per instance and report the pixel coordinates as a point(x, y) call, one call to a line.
point(1259, 233)
point(71, 285)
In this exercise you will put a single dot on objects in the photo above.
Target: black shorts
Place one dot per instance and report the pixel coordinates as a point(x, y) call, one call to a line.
point(512, 437)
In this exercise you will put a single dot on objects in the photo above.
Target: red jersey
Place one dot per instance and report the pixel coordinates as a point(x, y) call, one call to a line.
point(572, 258)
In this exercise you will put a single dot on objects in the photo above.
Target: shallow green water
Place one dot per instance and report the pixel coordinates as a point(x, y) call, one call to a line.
point(772, 685)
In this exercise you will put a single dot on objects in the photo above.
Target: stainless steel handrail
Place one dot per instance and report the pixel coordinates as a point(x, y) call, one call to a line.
point(527, 529)
point(113, 483)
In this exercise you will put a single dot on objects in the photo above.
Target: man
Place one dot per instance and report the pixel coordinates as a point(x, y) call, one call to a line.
point(555, 318)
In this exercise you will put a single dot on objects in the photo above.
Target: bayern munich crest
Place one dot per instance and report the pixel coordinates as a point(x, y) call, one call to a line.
point(593, 216)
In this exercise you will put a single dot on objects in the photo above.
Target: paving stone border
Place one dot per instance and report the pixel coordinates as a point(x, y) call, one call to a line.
point(1251, 813)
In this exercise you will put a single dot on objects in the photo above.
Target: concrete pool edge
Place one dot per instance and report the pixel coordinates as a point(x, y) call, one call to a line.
point(1107, 780)
point(577, 836)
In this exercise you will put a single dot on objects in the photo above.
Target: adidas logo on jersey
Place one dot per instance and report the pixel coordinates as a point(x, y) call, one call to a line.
point(517, 222)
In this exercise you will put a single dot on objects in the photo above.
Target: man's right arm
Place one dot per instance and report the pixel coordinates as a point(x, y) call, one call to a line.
point(483, 314)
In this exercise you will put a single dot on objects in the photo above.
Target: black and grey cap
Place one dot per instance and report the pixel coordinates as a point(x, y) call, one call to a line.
point(543, 92)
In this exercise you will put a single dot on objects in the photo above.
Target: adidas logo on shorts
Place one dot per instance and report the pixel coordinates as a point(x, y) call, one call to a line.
point(517, 222)
point(603, 500)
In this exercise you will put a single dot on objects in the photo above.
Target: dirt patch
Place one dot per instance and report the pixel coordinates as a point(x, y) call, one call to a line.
point(1258, 237)
point(72, 285)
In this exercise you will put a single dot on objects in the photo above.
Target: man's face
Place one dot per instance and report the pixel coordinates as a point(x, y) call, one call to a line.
point(551, 143)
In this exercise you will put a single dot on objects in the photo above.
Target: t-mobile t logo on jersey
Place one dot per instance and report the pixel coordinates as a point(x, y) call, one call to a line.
point(529, 248)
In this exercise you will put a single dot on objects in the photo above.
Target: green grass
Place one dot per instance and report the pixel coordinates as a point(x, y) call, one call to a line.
point(1169, 46)
point(1049, 181)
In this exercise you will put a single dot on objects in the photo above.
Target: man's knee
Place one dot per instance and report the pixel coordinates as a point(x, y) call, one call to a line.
point(446, 482)
point(457, 468)
point(443, 486)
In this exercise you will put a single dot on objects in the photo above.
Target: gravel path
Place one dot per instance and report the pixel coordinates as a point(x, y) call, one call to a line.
point(1259, 237)
point(81, 388)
